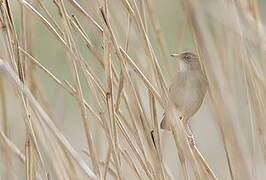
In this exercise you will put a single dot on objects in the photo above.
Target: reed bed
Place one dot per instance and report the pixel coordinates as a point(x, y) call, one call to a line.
point(84, 85)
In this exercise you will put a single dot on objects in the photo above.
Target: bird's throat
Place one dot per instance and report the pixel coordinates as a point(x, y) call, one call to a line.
point(183, 67)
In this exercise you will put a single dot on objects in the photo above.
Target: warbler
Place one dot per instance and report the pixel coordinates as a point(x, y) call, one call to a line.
point(188, 88)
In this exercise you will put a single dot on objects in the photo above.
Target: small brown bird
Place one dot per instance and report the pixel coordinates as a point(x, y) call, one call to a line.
point(188, 88)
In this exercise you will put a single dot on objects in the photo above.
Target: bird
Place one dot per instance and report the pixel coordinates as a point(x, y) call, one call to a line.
point(187, 89)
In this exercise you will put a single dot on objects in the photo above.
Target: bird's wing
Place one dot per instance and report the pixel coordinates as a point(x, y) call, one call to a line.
point(177, 82)
point(175, 93)
point(177, 89)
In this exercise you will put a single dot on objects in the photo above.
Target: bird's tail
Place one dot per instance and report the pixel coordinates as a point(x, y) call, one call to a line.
point(165, 123)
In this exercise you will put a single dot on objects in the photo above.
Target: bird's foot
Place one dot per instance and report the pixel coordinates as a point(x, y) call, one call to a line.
point(190, 137)
point(191, 140)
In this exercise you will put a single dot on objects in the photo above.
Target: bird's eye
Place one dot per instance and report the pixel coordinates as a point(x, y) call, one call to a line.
point(188, 58)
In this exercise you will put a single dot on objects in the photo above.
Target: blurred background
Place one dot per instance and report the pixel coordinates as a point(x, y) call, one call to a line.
point(65, 110)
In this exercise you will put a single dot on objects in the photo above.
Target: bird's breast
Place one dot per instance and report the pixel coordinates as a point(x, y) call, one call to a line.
point(189, 93)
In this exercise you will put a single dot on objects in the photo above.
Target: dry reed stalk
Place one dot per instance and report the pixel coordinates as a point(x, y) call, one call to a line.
point(196, 24)
point(19, 67)
point(5, 125)
point(73, 48)
point(119, 84)
point(221, 77)
point(157, 31)
point(123, 67)
point(30, 162)
point(109, 93)
point(10, 74)
point(14, 150)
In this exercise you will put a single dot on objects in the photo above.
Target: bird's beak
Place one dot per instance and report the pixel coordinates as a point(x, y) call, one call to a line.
point(175, 55)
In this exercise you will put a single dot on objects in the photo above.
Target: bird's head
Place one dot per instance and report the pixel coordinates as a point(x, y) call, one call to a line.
point(187, 60)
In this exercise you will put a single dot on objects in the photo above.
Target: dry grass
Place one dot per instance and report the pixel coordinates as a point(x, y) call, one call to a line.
point(116, 73)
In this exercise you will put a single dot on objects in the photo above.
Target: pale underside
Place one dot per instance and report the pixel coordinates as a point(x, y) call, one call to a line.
point(187, 93)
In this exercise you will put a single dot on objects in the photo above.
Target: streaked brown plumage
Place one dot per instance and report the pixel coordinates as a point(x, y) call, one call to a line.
point(188, 88)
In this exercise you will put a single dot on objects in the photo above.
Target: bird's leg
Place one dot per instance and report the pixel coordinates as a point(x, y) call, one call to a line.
point(189, 134)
